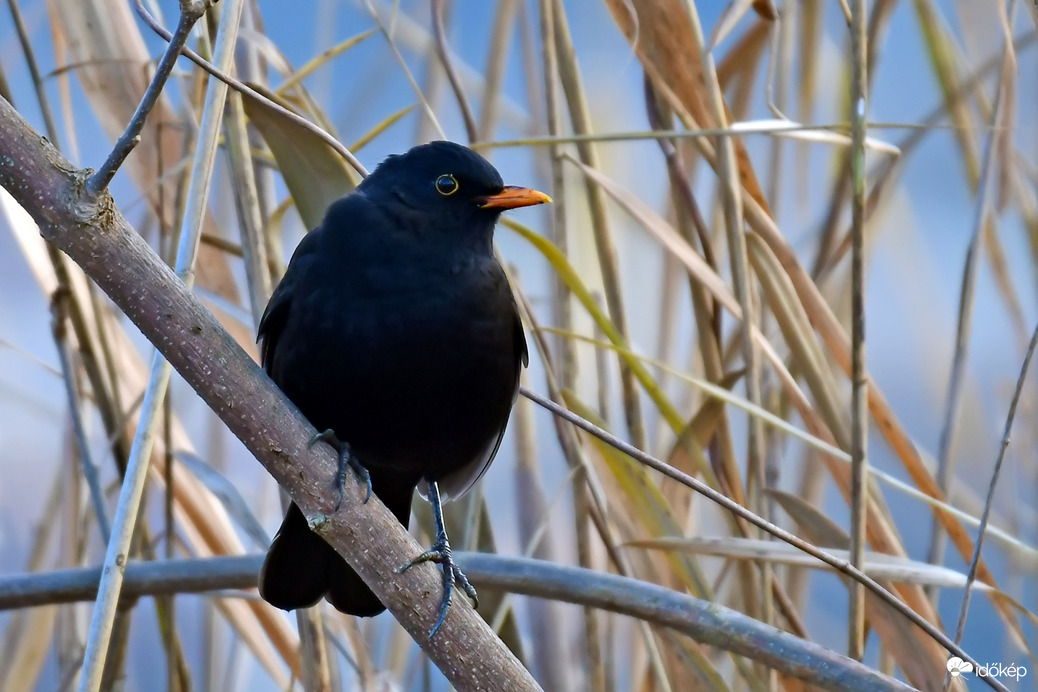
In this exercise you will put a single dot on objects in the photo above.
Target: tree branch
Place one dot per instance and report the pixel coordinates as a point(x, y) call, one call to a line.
point(705, 622)
point(92, 232)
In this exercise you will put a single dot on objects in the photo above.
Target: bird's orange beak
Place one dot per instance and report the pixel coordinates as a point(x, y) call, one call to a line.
point(513, 197)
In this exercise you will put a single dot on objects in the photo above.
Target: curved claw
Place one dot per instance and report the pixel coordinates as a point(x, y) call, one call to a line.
point(345, 465)
point(440, 553)
point(431, 555)
point(324, 436)
point(347, 462)
point(470, 590)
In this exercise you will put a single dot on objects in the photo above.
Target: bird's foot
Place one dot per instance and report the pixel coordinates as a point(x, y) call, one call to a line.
point(347, 462)
point(440, 553)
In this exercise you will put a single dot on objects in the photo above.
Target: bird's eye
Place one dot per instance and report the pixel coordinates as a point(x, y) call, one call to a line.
point(446, 185)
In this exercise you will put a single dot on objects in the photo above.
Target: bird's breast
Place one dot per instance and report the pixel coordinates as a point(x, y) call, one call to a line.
point(390, 356)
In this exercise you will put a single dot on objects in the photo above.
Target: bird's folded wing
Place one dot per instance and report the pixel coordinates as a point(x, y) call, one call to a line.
point(454, 485)
point(272, 323)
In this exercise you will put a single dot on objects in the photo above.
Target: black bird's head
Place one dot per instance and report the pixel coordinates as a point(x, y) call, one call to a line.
point(446, 186)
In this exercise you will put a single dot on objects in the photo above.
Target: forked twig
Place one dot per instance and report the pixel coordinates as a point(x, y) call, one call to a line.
point(190, 12)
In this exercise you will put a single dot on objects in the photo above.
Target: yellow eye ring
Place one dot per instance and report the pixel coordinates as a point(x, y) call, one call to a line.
point(447, 185)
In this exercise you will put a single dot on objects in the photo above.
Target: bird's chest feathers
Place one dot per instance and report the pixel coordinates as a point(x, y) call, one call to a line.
point(412, 313)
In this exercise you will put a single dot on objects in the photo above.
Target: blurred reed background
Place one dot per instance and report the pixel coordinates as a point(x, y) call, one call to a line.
point(629, 283)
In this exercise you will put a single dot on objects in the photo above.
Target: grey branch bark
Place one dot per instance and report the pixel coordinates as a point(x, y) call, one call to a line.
point(705, 622)
point(94, 234)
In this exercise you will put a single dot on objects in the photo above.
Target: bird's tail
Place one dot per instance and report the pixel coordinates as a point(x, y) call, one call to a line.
point(300, 569)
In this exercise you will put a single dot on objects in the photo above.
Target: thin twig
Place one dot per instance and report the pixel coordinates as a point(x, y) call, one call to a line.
point(248, 91)
point(452, 76)
point(859, 379)
point(34, 70)
point(971, 576)
point(168, 625)
point(695, 484)
point(407, 72)
point(681, 184)
point(190, 12)
point(87, 465)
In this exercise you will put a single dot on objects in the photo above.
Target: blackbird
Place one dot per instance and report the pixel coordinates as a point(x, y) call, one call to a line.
point(394, 330)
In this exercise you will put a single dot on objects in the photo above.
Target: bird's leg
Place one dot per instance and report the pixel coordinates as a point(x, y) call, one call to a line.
point(348, 461)
point(440, 552)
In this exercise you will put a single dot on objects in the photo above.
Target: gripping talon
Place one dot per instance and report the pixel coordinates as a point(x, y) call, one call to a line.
point(324, 436)
point(440, 553)
point(469, 589)
point(347, 462)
